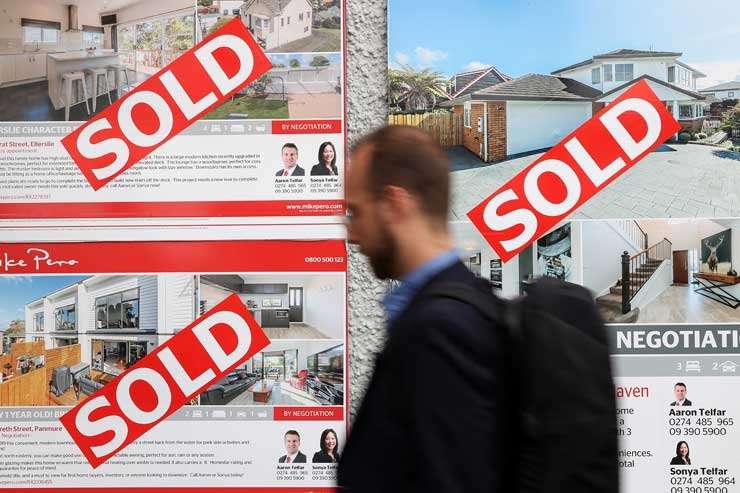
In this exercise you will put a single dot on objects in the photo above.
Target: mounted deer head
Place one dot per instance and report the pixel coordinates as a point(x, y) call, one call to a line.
point(712, 260)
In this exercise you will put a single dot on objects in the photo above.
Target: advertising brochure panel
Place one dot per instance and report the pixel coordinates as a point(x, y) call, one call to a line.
point(275, 149)
point(79, 314)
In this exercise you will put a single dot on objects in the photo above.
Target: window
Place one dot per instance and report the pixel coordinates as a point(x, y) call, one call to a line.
point(65, 318)
point(226, 11)
point(607, 73)
point(684, 111)
point(114, 357)
point(258, 22)
point(289, 20)
point(38, 321)
point(300, 16)
point(672, 74)
point(235, 11)
point(93, 39)
point(623, 72)
point(119, 310)
point(596, 75)
point(282, 22)
point(684, 77)
point(41, 32)
point(466, 114)
point(730, 94)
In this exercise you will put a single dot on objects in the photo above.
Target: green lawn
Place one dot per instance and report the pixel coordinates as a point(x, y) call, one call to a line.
point(254, 108)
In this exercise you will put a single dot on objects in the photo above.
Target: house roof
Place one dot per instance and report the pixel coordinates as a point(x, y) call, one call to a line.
point(688, 92)
point(622, 53)
point(274, 6)
point(467, 82)
point(533, 87)
point(725, 86)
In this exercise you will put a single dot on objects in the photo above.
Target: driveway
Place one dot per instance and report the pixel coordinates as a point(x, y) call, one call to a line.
point(318, 105)
point(674, 181)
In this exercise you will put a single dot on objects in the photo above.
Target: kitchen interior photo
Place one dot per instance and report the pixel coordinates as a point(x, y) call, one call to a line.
point(65, 60)
point(287, 306)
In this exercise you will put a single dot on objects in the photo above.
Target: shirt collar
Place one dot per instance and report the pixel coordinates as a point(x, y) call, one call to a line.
point(396, 301)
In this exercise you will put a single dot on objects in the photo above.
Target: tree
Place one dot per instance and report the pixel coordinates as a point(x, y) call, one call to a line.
point(294, 63)
point(416, 90)
point(219, 24)
point(731, 121)
point(205, 3)
point(15, 328)
point(320, 61)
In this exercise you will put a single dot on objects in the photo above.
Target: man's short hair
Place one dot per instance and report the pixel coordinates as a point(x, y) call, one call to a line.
point(410, 158)
point(679, 384)
point(289, 145)
point(292, 432)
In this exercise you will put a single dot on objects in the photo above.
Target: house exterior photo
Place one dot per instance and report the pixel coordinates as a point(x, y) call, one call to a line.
point(278, 22)
point(723, 92)
point(504, 117)
point(116, 319)
point(672, 80)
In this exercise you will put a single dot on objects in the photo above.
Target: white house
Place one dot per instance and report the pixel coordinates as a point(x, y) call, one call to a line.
point(116, 319)
point(672, 80)
point(724, 91)
point(278, 22)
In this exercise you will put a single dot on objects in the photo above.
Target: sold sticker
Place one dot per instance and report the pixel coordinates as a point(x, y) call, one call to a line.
point(163, 381)
point(569, 174)
point(166, 103)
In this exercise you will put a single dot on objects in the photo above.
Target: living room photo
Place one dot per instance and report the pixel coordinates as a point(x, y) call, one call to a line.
point(70, 59)
point(639, 270)
point(64, 337)
point(287, 373)
point(287, 306)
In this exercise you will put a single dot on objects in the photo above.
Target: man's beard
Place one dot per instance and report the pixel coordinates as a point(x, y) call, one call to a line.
point(382, 260)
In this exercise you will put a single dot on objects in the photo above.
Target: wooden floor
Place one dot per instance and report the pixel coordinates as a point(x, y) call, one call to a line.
point(66, 399)
point(680, 304)
point(295, 331)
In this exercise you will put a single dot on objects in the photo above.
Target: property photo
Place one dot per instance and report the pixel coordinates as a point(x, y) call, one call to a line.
point(639, 270)
point(68, 60)
point(298, 86)
point(287, 306)
point(72, 335)
point(287, 373)
point(279, 26)
point(496, 110)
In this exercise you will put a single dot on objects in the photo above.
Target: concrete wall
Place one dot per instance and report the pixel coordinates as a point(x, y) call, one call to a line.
point(367, 109)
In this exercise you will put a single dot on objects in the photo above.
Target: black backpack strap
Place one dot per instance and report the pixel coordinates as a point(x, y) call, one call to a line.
point(507, 315)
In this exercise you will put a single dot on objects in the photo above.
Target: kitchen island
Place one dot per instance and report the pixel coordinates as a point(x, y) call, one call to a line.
point(74, 61)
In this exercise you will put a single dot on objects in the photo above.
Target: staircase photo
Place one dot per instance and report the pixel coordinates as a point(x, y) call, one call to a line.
point(637, 270)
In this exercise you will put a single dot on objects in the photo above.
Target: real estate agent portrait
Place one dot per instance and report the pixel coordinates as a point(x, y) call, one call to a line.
point(327, 165)
point(682, 455)
point(289, 155)
point(292, 447)
point(329, 444)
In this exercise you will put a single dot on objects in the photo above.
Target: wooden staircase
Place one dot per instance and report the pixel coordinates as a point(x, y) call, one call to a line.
point(610, 305)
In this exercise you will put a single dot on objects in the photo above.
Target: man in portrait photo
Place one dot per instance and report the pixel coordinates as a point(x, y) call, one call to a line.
point(679, 391)
point(292, 449)
point(290, 162)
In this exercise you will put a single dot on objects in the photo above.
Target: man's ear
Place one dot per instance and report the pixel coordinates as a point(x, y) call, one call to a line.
point(394, 204)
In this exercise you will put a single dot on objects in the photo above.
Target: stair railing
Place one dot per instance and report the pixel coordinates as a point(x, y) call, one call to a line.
point(634, 275)
point(634, 232)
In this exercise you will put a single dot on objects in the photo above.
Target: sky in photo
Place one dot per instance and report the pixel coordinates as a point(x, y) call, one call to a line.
point(538, 36)
point(17, 291)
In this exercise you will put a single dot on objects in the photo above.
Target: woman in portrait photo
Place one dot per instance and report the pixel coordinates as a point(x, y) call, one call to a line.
point(329, 452)
point(682, 455)
point(327, 165)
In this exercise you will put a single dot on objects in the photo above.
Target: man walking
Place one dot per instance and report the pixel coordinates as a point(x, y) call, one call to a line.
point(433, 415)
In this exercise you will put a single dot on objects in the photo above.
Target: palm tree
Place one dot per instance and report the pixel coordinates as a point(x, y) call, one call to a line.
point(416, 90)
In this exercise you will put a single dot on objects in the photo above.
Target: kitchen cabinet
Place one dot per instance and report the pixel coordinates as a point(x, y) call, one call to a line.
point(265, 288)
point(275, 318)
point(30, 66)
point(7, 68)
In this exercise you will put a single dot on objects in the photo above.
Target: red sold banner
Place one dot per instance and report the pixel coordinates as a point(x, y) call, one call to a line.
point(166, 103)
point(569, 174)
point(163, 381)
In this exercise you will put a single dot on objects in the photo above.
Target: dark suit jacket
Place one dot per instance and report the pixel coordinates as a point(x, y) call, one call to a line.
point(678, 461)
point(321, 170)
point(431, 416)
point(301, 457)
point(298, 171)
point(686, 402)
point(322, 457)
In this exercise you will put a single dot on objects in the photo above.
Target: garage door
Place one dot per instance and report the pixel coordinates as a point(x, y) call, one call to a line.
point(533, 125)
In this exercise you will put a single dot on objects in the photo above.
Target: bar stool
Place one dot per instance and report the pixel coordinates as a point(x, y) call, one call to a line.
point(68, 80)
point(117, 69)
point(95, 74)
